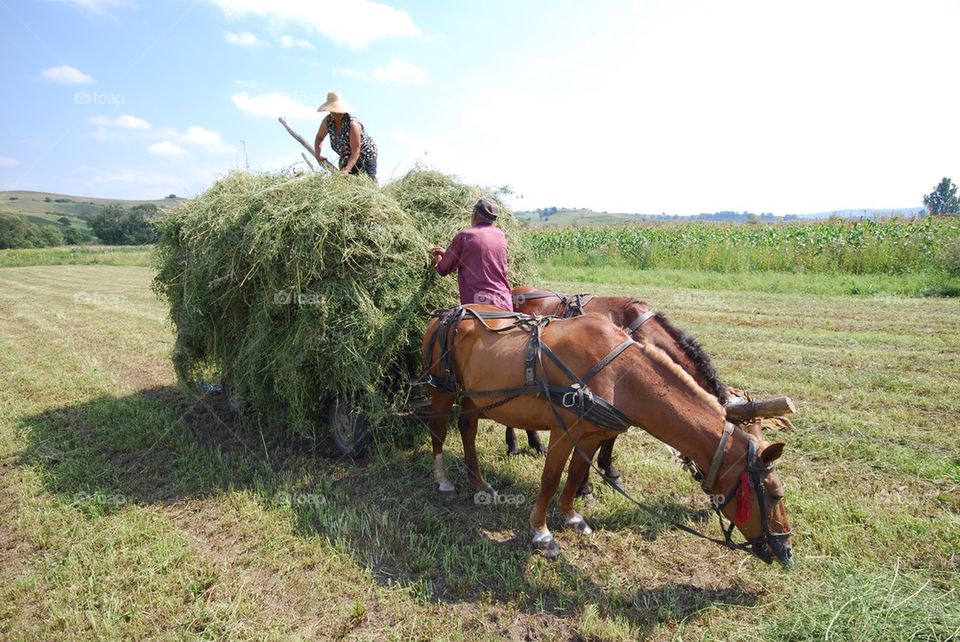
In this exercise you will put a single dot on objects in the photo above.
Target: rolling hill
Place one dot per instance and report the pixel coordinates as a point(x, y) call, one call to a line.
point(45, 208)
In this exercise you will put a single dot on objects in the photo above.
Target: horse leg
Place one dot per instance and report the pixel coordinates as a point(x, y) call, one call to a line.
point(605, 462)
point(440, 405)
point(576, 475)
point(557, 454)
point(468, 433)
point(534, 440)
point(511, 436)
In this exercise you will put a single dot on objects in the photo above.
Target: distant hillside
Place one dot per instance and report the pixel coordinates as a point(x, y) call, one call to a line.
point(45, 208)
point(564, 216)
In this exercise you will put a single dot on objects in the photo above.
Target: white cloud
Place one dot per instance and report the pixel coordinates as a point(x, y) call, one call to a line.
point(7, 161)
point(242, 39)
point(289, 42)
point(207, 140)
point(354, 24)
point(121, 122)
point(167, 148)
point(349, 73)
point(401, 71)
point(273, 105)
point(66, 75)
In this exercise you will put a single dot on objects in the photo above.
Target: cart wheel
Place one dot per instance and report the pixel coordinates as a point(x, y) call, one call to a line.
point(349, 429)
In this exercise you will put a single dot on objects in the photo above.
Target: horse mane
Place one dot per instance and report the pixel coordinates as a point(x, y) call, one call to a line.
point(692, 348)
point(658, 354)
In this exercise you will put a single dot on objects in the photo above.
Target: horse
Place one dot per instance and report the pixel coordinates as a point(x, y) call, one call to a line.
point(635, 316)
point(494, 361)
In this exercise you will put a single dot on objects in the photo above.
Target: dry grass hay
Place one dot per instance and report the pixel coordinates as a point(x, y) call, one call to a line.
point(301, 290)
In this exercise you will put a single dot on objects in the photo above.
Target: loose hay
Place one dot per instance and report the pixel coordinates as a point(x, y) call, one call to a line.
point(302, 290)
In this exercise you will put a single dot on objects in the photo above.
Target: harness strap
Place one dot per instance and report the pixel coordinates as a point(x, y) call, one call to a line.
point(640, 320)
point(711, 478)
point(613, 354)
point(534, 295)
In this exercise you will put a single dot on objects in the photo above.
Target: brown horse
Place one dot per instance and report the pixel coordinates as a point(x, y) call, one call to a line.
point(624, 312)
point(641, 382)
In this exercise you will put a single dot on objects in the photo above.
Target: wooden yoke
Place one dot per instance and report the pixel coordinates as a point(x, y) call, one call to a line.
point(774, 407)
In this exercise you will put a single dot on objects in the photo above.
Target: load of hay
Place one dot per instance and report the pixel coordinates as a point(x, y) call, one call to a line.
point(304, 290)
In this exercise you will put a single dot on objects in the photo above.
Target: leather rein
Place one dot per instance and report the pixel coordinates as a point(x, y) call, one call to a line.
point(571, 305)
point(596, 410)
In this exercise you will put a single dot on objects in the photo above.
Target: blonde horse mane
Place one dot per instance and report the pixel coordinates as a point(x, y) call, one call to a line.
point(663, 359)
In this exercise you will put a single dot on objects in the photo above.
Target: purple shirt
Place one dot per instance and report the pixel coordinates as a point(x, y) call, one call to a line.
point(479, 254)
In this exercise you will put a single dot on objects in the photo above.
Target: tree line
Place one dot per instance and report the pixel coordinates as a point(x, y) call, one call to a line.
point(114, 225)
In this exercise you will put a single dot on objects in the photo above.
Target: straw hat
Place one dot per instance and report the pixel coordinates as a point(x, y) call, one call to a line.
point(335, 104)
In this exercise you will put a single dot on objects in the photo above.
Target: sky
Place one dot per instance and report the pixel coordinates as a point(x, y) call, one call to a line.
point(676, 106)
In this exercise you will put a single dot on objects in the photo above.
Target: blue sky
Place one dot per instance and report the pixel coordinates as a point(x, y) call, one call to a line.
point(681, 106)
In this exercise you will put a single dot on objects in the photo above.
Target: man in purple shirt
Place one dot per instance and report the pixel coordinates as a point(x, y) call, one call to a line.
point(479, 254)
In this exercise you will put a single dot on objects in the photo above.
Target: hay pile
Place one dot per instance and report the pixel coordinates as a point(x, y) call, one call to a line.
point(300, 290)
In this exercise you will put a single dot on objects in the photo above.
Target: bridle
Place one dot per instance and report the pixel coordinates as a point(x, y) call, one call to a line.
point(749, 478)
point(578, 397)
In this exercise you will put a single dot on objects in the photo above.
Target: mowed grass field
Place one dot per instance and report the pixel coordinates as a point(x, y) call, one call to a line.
point(135, 509)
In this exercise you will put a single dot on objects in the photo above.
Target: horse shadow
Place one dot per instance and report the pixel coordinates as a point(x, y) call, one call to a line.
point(164, 445)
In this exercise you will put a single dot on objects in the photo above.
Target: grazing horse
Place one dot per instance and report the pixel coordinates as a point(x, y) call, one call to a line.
point(489, 358)
point(636, 317)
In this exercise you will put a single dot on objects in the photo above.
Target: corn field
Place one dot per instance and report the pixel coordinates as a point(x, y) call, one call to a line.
point(864, 246)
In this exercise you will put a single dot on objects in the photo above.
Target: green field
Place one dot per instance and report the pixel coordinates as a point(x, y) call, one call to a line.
point(133, 508)
point(894, 246)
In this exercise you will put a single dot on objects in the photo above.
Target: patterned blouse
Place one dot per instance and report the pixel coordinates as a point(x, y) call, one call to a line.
point(340, 142)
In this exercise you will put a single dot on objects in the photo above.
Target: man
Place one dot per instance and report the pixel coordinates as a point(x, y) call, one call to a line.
point(479, 254)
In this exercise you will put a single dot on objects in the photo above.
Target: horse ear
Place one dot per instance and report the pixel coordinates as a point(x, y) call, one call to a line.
point(772, 453)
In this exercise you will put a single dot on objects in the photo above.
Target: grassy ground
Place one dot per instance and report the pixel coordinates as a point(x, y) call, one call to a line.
point(135, 509)
point(130, 255)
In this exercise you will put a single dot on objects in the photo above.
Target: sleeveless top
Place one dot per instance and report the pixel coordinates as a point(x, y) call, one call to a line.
point(340, 141)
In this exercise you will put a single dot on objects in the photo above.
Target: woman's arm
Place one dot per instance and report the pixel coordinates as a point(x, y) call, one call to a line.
point(354, 147)
point(321, 134)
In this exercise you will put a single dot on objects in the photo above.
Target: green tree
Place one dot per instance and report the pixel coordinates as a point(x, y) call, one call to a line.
point(17, 232)
point(63, 220)
point(943, 199)
point(117, 226)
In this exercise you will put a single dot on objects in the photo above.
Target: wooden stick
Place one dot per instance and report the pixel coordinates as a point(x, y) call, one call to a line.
point(327, 165)
point(307, 161)
point(775, 407)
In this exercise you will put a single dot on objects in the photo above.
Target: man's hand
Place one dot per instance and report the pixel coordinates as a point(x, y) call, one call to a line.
point(437, 253)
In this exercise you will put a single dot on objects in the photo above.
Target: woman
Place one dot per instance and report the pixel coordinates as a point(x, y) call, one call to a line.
point(348, 138)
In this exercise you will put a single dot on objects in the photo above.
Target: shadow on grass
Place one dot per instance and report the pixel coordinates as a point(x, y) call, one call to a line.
point(158, 446)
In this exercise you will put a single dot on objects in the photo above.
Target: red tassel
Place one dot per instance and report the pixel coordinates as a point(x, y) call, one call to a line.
point(743, 499)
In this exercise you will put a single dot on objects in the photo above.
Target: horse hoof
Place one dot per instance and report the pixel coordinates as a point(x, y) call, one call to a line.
point(589, 500)
point(579, 524)
point(547, 547)
point(447, 492)
point(541, 450)
point(513, 452)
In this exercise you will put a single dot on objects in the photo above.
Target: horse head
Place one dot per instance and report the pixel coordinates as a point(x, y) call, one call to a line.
point(750, 494)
